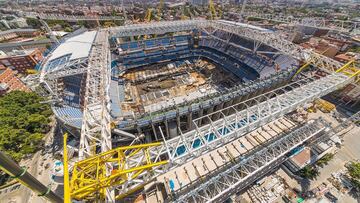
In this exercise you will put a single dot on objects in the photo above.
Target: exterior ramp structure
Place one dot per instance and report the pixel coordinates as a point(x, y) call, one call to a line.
point(247, 169)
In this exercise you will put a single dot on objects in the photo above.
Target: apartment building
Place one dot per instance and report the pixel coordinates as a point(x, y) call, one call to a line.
point(21, 61)
point(9, 81)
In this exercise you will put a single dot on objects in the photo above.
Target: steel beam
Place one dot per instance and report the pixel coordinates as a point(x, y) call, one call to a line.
point(73, 67)
point(155, 28)
point(95, 131)
point(13, 169)
point(319, 23)
point(277, 42)
point(219, 187)
point(249, 115)
point(71, 18)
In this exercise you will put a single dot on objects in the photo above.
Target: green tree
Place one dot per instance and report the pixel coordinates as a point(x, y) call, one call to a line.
point(308, 172)
point(23, 122)
point(68, 29)
point(325, 159)
point(354, 173)
point(35, 23)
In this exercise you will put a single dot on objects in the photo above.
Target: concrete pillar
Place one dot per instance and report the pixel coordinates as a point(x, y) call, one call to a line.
point(201, 113)
point(173, 129)
point(189, 118)
point(227, 104)
point(208, 111)
point(178, 123)
point(218, 107)
point(167, 128)
point(148, 137)
point(154, 131)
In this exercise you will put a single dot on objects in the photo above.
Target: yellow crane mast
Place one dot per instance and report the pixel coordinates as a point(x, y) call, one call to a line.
point(159, 10)
point(89, 179)
point(212, 10)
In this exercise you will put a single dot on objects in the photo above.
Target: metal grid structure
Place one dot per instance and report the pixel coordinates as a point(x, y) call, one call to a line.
point(248, 116)
point(73, 67)
point(133, 167)
point(336, 25)
point(220, 186)
point(155, 28)
point(95, 130)
point(71, 18)
point(282, 45)
point(268, 38)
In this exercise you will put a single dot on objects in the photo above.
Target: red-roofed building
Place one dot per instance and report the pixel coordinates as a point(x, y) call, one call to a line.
point(9, 81)
point(21, 61)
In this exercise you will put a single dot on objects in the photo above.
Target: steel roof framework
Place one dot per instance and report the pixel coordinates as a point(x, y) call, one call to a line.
point(320, 23)
point(71, 18)
point(253, 114)
point(220, 186)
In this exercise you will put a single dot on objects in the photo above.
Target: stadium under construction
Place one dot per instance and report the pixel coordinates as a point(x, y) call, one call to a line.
point(183, 111)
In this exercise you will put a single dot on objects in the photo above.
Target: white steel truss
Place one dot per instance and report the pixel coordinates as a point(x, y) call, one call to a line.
point(95, 130)
point(320, 23)
point(268, 38)
point(248, 116)
point(277, 42)
point(73, 67)
point(71, 18)
point(247, 169)
point(155, 28)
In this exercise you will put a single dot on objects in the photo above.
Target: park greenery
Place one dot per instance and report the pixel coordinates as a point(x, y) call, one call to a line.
point(23, 122)
point(354, 173)
point(355, 49)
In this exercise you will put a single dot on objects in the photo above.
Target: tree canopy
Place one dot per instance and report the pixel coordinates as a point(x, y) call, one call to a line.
point(354, 172)
point(23, 123)
point(308, 172)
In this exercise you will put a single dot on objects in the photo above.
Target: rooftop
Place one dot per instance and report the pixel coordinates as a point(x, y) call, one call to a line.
point(17, 30)
point(246, 25)
point(302, 158)
point(18, 53)
point(78, 46)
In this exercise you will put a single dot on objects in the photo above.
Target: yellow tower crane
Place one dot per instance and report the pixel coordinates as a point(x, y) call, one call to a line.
point(212, 10)
point(148, 15)
point(159, 10)
point(183, 16)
